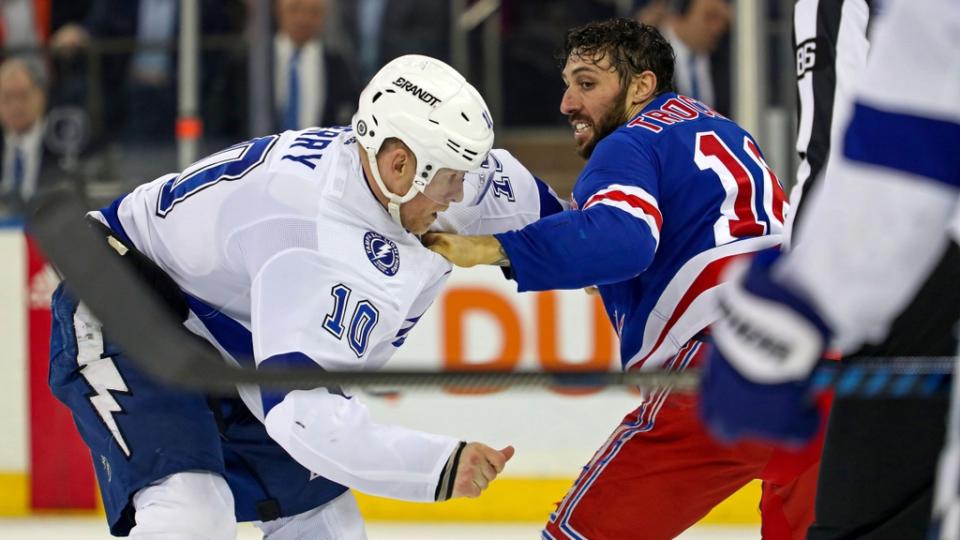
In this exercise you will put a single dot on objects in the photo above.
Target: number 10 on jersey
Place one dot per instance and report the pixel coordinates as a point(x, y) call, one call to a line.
point(364, 319)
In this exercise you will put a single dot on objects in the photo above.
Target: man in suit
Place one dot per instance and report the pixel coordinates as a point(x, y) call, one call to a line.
point(26, 164)
point(697, 29)
point(138, 87)
point(381, 30)
point(313, 84)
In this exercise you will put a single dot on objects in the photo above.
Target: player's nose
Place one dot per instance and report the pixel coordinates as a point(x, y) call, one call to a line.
point(569, 104)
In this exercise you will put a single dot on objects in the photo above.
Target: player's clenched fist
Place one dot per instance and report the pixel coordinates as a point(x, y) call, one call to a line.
point(466, 251)
point(479, 465)
point(474, 465)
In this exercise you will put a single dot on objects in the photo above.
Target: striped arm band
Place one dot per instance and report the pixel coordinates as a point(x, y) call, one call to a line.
point(448, 475)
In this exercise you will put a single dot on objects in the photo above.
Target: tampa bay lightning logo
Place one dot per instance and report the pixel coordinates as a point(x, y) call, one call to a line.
point(382, 253)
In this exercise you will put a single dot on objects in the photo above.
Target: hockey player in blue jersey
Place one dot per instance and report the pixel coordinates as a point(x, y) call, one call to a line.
point(295, 249)
point(881, 220)
point(672, 193)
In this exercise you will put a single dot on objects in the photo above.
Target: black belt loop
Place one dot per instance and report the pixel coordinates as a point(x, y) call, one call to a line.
point(269, 510)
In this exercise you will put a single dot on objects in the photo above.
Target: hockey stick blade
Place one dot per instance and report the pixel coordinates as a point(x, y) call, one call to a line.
point(152, 337)
point(138, 321)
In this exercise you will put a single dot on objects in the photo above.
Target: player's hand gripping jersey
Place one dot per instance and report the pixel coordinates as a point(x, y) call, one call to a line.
point(665, 203)
point(287, 259)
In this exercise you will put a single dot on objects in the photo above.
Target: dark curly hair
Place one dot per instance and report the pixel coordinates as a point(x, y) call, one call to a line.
point(629, 46)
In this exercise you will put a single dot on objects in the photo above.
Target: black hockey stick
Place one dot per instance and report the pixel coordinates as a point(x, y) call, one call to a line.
point(149, 333)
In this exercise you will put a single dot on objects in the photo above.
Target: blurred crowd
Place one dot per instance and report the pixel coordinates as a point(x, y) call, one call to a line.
point(88, 88)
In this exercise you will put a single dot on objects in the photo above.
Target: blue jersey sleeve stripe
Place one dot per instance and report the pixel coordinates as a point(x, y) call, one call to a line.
point(271, 398)
point(110, 213)
point(921, 146)
point(404, 331)
point(230, 334)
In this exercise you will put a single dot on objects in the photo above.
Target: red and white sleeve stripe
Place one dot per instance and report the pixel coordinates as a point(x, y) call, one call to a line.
point(632, 200)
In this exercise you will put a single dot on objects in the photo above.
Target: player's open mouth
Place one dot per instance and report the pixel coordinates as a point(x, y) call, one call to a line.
point(581, 130)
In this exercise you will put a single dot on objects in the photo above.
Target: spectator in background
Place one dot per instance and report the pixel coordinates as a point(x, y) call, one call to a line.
point(313, 84)
point(381, 30)
point(696, 29)
point(652, 12)
point(26, 163)
point(137, 89)
point(68, 71)
point(533, 33)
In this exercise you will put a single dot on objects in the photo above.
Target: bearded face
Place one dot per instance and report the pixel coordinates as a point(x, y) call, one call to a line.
point(594, 101)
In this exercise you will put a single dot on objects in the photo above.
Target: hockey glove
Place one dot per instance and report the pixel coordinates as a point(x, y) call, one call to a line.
point(768, 341)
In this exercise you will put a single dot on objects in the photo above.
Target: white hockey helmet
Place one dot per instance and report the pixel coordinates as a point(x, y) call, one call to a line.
point(431, 108)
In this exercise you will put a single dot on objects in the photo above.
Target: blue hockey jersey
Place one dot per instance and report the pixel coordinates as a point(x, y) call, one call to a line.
point(663, 205)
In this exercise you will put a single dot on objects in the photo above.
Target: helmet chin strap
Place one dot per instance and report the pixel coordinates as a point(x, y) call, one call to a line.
point(394, 200)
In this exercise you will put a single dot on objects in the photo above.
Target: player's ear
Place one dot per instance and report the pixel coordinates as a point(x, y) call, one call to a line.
point(406, 162)
point(394, 158)
point(402, 167)
point(643, 87)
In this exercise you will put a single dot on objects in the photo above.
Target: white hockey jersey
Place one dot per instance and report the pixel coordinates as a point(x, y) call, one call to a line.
point(287, 258)
point(884, 215)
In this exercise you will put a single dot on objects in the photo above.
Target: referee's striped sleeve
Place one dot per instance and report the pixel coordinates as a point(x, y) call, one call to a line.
point(830, 39)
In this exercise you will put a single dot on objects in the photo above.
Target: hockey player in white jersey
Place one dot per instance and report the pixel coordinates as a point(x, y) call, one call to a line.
point(878, 226)
point(293, 249)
